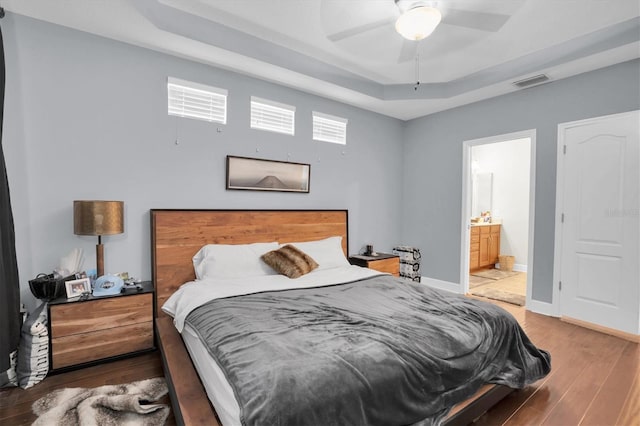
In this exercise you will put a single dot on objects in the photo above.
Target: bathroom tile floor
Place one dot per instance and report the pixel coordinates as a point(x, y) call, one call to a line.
point(515, 285)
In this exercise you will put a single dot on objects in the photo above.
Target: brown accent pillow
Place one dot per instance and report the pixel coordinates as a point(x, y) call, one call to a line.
point(290, 261)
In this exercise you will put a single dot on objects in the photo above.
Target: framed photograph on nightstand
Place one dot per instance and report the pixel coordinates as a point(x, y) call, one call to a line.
point(76, 288)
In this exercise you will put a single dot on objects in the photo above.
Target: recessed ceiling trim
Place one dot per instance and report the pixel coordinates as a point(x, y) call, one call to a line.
point(168, 18)
point(180, 23)
point(581, 47)
point(176, 21)
point(127, 21)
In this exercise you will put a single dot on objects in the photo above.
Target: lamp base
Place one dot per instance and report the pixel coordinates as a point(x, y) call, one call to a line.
point(100, 259)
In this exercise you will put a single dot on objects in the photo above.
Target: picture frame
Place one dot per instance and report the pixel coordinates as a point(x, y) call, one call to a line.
point(254, 174)
point(78, 287)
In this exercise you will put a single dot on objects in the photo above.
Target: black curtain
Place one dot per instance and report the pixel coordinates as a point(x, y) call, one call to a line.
point(9, 285)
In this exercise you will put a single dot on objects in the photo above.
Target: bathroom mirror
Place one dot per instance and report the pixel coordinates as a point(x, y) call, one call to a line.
point(481, 193)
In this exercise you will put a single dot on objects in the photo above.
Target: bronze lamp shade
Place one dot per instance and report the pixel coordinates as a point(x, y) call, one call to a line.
point(93, 217)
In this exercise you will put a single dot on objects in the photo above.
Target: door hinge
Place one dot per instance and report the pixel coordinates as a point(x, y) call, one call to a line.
point(564, 149)
point(562, 218)
point(560, 282)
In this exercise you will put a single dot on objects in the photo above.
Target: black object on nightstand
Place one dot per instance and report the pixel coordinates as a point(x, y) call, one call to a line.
point(84, 332)
point(382, 262)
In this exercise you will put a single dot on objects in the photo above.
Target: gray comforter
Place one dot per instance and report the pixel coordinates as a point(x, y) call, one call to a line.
point(379, 351)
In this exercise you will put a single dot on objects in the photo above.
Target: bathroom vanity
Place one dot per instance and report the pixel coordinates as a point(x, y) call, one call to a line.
point(484, 246)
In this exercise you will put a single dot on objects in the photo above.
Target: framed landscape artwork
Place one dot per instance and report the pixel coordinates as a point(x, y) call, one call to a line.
point(267, 175)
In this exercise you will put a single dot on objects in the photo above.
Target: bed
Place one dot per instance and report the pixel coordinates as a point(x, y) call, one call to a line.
point(179, 234)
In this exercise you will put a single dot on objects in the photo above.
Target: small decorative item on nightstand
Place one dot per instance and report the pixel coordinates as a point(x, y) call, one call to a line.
point(108, 285)
point(76, 288)
point(382, 262)
point(47, 287)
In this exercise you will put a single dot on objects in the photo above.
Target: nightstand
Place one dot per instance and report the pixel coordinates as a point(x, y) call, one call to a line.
point(383, 262)
point(100, 328)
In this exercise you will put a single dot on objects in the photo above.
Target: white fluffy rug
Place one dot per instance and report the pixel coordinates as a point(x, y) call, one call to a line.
point(127, 404)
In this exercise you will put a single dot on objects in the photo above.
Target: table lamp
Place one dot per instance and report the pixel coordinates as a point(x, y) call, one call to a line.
point(92, 217)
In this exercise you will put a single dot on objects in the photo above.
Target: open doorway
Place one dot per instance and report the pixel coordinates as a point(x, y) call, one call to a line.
point(498, 205)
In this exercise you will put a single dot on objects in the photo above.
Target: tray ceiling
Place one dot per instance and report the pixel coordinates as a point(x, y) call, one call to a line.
point(349, 50)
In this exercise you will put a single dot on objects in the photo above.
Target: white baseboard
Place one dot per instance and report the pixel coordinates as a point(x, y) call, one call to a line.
point(442, 285)
point(518, 267)
point(539, 307)
point(536, 306)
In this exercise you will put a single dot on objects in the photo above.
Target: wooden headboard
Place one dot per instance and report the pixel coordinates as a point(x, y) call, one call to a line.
point(176, 235)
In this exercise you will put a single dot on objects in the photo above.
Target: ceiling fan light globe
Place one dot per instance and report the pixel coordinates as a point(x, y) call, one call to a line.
point(418, 23)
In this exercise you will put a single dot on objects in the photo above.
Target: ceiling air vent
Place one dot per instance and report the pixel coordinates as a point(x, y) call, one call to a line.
point(531, 81)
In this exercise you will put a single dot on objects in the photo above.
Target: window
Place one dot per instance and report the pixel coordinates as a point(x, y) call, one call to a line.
point(272, 116)
point(193, 100)
point(329, 128)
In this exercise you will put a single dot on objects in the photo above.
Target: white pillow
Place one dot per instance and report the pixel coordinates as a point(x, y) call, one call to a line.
point(232, 261)
point(327, 253)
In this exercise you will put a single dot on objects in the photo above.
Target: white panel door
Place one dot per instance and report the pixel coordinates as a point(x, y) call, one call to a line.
point(600, 257)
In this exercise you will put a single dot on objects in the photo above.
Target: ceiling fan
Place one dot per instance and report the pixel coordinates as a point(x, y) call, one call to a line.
point(417, 19)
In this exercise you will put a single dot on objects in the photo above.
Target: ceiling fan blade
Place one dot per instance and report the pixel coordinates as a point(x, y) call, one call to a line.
point(483, 21)
point(408, 51)
point(357, 30)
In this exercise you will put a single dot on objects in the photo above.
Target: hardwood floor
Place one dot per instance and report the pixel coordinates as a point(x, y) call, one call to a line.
point(15, 403)
point(595, 380)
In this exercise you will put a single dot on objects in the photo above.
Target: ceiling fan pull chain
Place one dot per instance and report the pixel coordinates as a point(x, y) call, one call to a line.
point(417, 72)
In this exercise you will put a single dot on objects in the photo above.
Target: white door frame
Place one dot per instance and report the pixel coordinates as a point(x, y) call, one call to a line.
point(560, 170)
point(466, 204)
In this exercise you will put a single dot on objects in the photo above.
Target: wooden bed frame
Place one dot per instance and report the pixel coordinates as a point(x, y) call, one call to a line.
point(176, 235)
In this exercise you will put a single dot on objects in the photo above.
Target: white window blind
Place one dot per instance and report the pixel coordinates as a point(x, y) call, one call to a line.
point(272, 116)
point(329, 128)
point(193, 100)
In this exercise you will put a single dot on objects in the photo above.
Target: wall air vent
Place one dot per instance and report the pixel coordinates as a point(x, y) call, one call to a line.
point(531, 81)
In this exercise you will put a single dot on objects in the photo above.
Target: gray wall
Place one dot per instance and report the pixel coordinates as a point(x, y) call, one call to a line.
point(433, 162)
point(86, 118)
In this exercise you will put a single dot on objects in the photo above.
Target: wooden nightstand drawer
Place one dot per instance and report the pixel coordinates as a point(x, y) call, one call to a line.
point(388, 263)
point(87, 347)
point(392, 265)
point(100, 314)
